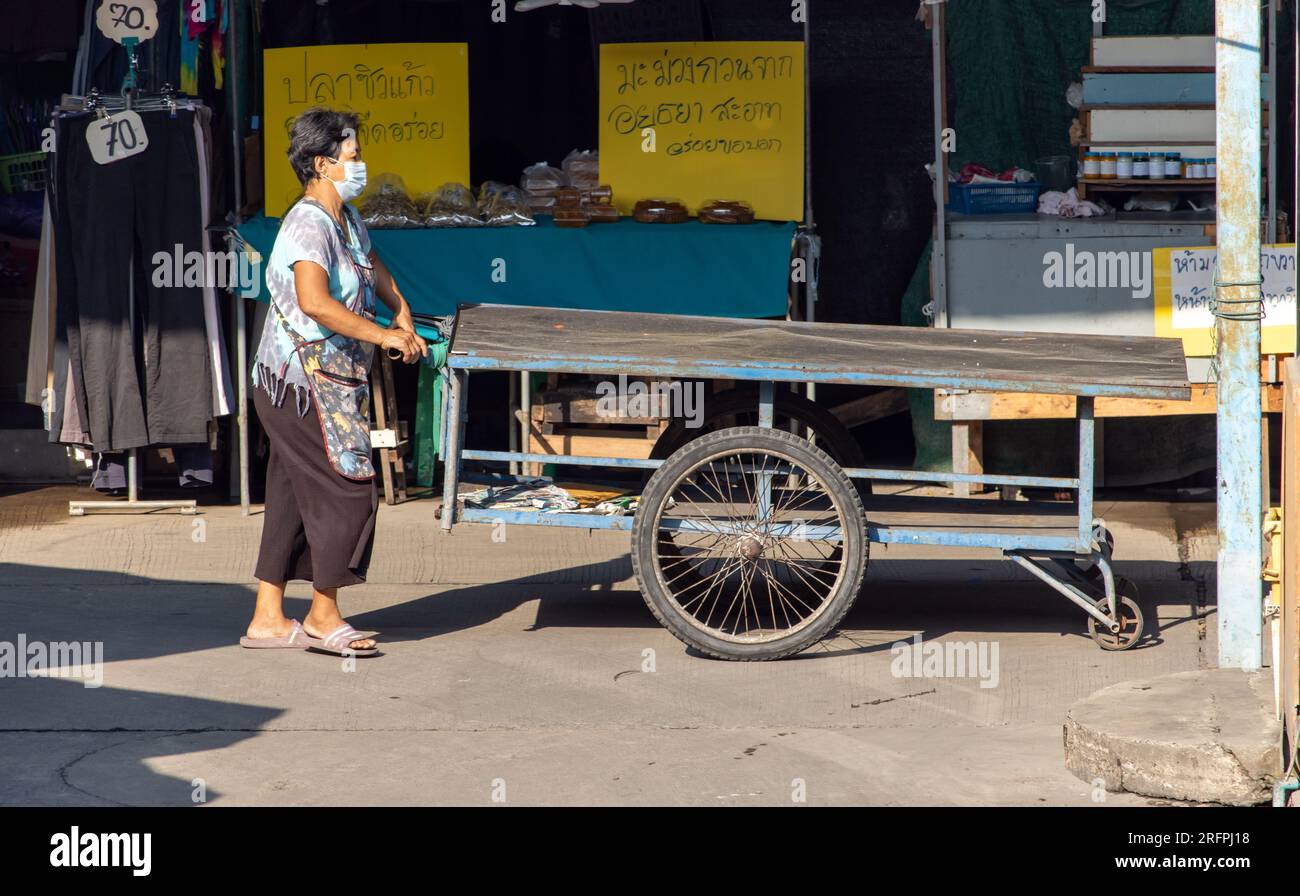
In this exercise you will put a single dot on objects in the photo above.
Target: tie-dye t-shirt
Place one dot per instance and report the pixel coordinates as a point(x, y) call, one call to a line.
point(307, 233)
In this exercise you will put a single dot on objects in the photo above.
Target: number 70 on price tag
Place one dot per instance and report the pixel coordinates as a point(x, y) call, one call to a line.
point(116, 137)
point(119, 19)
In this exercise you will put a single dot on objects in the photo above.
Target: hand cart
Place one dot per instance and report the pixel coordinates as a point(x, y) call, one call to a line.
point(751, 542)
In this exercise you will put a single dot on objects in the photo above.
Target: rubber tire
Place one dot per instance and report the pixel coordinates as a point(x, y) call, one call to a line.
point(742, 438)
point(833, 437)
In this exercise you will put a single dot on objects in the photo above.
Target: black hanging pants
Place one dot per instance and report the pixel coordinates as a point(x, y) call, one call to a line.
point(146, 381)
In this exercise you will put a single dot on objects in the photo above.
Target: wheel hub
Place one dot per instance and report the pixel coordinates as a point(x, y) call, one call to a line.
point(749, 547)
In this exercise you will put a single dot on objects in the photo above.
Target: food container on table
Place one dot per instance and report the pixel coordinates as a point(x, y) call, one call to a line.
point(660, 211)
point(726, 211)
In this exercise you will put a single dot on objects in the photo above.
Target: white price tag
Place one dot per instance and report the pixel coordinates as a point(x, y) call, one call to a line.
point(120, 19)
point(119, 136)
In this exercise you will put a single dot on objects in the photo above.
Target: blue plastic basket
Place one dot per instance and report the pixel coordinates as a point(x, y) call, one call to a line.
point(991, 199)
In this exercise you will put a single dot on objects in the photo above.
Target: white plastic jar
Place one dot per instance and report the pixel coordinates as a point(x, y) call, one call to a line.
point(1157, 165)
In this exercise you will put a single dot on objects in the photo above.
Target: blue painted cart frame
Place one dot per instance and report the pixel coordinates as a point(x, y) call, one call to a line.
point(509, 338)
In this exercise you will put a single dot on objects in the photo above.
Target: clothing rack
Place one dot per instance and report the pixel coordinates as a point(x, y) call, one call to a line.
point(129, 100)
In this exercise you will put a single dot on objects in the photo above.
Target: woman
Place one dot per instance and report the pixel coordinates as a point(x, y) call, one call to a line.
point(318, 344)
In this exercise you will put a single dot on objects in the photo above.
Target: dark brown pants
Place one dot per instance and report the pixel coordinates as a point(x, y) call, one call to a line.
point(318, 525)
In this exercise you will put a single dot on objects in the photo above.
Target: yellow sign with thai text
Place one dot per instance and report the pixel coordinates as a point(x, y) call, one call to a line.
point(413, 100)
point(704, 120)
point(1184, 290)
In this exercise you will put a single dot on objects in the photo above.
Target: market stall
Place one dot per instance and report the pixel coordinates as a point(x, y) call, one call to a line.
point(1119, 192)
point(693, 207)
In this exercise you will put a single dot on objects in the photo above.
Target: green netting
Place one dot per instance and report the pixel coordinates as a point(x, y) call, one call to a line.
point(1010, 62)
point(933, 437)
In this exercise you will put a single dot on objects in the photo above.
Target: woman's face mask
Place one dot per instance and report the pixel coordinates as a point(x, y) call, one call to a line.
point(354, 180)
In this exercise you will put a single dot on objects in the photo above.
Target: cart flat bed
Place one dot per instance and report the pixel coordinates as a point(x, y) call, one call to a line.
point(513, 337)
point(729, 512)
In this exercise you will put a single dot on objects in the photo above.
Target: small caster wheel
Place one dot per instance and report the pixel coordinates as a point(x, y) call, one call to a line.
point(1130, 622)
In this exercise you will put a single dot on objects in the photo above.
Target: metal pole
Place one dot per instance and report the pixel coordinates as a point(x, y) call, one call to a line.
point(807, 118)
point(1087, 466)
point(457, 380)
point(1237, 325)
point(241, 363)
point(241, 312)
point(939, 256)
point(525, 421)
point(812, 243)
point(1271, 231)
point(236, 121)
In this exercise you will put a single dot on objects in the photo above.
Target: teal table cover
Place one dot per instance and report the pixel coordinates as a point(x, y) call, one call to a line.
point(720, 270)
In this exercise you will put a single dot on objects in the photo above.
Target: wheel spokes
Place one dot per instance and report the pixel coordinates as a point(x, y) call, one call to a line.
point(748, 545)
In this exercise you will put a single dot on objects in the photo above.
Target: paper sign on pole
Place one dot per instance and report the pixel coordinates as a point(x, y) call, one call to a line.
point(1184, 289)
point(413, 100)
point(700, 121)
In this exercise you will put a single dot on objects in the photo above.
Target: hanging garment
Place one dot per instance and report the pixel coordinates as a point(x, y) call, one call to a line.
point(40, 345)
point(102, 64)
point(193, 466)
point(221, 386)
point(135, 379)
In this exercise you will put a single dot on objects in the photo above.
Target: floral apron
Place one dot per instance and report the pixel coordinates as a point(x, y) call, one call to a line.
point(338, 375)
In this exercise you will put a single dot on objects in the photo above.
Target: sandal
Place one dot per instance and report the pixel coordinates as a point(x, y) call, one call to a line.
point(295, 640)
point(337, 642)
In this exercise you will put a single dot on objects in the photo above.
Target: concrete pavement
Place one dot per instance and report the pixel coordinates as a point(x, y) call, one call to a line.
point(529, 672)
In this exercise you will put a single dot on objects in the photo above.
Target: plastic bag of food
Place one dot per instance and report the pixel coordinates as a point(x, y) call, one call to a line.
point(541, 205)
point(385, 204)
point(451, 205)
point(542, 179)
point(503, 205)
point(582, 168)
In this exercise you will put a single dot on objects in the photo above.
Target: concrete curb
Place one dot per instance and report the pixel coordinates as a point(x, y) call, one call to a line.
point(1207, 736)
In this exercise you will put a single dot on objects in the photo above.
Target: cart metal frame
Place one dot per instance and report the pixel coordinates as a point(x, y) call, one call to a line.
point(1058, 560)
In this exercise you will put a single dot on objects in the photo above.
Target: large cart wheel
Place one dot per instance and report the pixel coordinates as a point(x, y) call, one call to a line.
point(749, 544)
point(1129, 617)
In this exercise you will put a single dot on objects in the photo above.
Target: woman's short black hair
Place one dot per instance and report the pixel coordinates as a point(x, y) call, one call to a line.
point(318, 132)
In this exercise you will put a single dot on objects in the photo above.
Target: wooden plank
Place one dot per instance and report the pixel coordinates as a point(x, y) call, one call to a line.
point(1093, 107)
point(1168, 183)
point(1153, 126)
point(1138, 87)
point(504, 337)
point(1028, 406)
point(1146, 51)
point(967, 455)
point(1108, 89)
point(592, 443)
point(580, 407)
point(1147, 69)
point(870, 408)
